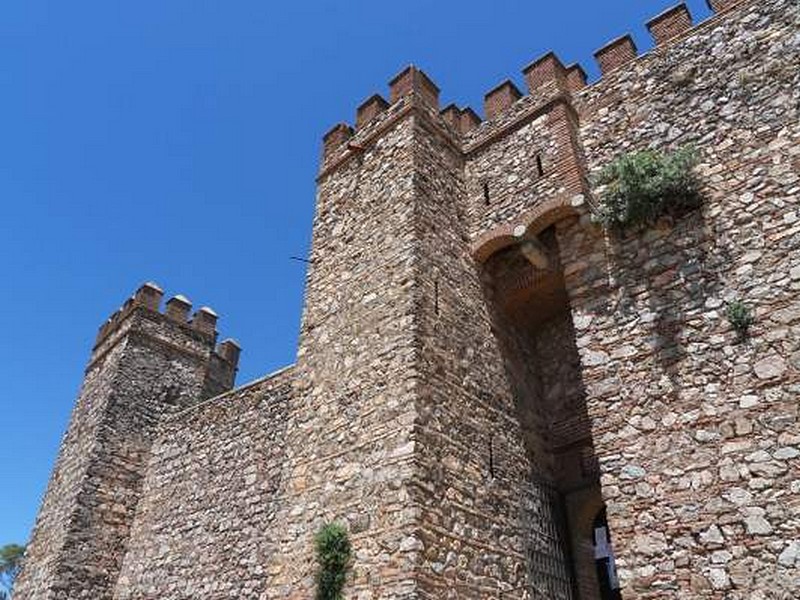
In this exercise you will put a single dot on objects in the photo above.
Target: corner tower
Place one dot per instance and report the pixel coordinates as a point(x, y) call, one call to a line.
point(144, 364)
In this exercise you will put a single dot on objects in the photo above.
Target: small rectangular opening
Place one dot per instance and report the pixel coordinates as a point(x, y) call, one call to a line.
point(486, 193)
point(491, 457)
point(539, 166)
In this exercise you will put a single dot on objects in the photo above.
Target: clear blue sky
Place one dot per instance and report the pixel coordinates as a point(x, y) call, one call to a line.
point(177, 141)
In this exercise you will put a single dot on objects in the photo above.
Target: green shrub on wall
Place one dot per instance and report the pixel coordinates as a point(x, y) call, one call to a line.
point(333, 556)
point(640, 187)
point(740, 317)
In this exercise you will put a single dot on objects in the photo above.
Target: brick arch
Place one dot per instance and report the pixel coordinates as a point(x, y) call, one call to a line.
point(538, 218)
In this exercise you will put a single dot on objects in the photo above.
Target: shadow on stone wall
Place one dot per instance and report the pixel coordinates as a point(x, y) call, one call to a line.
point(667, 276)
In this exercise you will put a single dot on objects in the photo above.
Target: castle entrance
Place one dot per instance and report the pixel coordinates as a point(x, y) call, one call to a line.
point(570, 554)
point(604, 558)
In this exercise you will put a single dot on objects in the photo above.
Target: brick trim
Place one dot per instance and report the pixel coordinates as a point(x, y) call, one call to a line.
point(534, 220)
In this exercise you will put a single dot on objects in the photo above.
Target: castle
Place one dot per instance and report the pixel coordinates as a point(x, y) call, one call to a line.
point(497, 398)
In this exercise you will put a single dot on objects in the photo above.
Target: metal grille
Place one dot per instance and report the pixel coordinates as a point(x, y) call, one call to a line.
point(549, 568)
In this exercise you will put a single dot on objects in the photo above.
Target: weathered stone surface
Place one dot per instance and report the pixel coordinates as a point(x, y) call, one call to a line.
point(469, 414)
point(770, 367)
point(144, 367)
point(790, 557)
point(216, 479)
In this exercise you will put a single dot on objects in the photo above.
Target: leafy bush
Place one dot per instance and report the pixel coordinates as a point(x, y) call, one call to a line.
point(639, 187)
point(740, 317)
point(10, 565)
point(333, 556)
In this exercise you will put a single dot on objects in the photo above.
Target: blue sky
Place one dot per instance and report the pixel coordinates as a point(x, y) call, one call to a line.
point(178, 141)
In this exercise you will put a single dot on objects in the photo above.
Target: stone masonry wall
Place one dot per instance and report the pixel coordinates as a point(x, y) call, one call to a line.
point(54, 522)
point(144, 365)
point(205, 527)
point(478, 502)
point(680, 412)
point(349, 434)
point(503, 177)
point(400, 420)
point(698, 434)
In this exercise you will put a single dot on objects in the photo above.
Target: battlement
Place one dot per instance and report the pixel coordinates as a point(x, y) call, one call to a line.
point(546, 78)
point(669, 24)
point(411, 85)
point(202, 324)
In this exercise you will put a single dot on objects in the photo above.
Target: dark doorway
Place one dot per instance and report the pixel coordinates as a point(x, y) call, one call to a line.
point(532, 318)
point(604, 559)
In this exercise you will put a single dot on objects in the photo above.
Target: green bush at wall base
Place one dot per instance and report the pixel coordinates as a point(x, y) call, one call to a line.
point(333, 556)
point(639, 187)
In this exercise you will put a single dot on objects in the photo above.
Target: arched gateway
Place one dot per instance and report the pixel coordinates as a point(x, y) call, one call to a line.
point(524, 286)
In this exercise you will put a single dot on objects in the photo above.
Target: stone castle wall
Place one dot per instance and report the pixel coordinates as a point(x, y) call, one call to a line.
point(473, 473)
point(697, 434)
point(529, 164)
point(144, 366)
point(205, 525)
point(350, 435)
point(467, 448)
point(54, 524)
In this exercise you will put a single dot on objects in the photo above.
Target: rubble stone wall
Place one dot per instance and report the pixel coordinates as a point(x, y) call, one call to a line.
point(145, 365)
point(697, 433)
point(401, 418)
point(481, 509)
point(349, 439)
point(205, 525)
point(54, 523)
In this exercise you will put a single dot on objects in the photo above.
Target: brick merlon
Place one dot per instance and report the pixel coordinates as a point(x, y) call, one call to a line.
point(616, 53)
point(469, 120)
point(452, 115)
point(721, 5)
point(544, 69)
point(178, 308)
point(414, 81)
point(500, 98)
point(670, 23)
point(335, 137)
point(230, 351)
point(369, 109)
point(576, 77)
point(205, 320)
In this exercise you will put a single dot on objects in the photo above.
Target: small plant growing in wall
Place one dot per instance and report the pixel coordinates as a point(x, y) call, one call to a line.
point(740, 317)
point(333, 555)
point(640, 187)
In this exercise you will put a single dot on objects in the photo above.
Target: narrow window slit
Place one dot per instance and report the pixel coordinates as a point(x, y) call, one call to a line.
point(491, 457)
point(486, 194)
point(436, 296)
point(539, 166)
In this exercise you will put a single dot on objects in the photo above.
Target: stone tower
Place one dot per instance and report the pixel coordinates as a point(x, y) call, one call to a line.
point(407, 419)
point(144, 365)
point(412, 428)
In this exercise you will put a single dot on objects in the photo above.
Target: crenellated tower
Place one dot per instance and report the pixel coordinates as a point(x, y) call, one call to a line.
point(448, 394)
point(145, 364)
point(410, 428)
